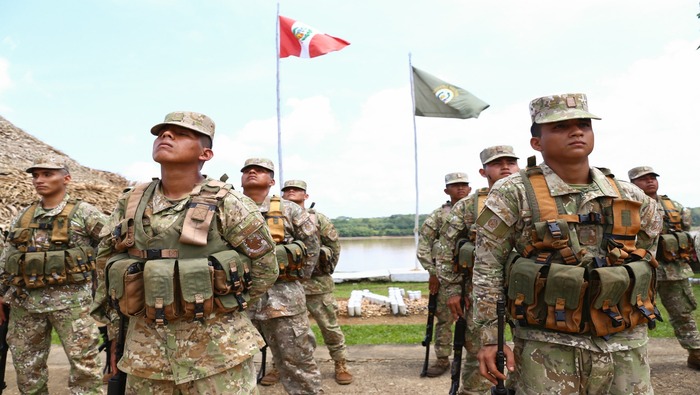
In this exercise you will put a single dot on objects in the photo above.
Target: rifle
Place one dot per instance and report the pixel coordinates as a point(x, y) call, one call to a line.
point(261, 372)
point(432, 307)
point(3, 346)
point(500, 388)
point(117, 383)
point(458, 343)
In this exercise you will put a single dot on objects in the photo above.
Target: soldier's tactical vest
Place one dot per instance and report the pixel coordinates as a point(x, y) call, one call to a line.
point(53, 262)
point(290, 256)
point(674, 243)
point(464, 250)
point(557, 286)
point(187, 272)
point(325, 263)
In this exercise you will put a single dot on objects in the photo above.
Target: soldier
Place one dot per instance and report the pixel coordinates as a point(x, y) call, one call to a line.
point(187, 332)
point(46, 272)
point(456, 187)
point(585, 239)
point(319, 288)
point(281, 314)
point(498, 162)
point(674, 253)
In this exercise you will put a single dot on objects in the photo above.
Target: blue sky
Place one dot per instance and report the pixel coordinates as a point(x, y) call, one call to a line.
point(91, 78)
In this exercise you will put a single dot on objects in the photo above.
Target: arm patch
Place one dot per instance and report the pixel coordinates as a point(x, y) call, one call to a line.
point(492, 223)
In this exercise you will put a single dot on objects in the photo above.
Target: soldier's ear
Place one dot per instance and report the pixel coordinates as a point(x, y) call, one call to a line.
point(535, 144)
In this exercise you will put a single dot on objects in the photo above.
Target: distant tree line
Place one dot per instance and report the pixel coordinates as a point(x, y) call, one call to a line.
point(395, 225)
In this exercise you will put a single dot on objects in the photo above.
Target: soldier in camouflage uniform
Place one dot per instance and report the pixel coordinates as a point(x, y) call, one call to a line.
point(281, 314)
point(569, 359)
point(674, 270)
point(456, 187)
point(498, 162)
point(213, 352)
point(57, 226)
point(319, 288)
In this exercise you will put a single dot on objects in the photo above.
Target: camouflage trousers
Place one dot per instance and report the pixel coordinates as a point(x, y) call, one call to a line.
point(324, 308)
point(443, 327)
point(292, 345)
point(472, 381)
point(548, 368)
point(237, 380)
point(29, 341)
point(678, 299)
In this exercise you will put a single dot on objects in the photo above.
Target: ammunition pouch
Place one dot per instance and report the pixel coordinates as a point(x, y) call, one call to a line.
point(232, 280)
point(526, 281)
point(290, 258)
point(124, 235)
point(159, 291)
point(675, 246)
point(464, 257)
point(608, 286)
point(38, 269)
point(325, 259)
point(125, 287)
point(564, 296)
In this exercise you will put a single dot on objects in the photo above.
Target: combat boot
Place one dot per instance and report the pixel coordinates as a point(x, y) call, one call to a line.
point(342, 375)
point(271, 378)
point(440, 366)
point(694, 359)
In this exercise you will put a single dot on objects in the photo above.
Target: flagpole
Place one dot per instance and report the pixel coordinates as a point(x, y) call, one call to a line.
point(415, 155)
point(279, 118)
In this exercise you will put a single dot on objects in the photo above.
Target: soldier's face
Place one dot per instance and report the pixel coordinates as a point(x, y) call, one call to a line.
point(50, 182)
point(566, 141)
point(499, 168)
point(458, 190)
point(175, 144)
point(256, 176)
point(297, 195)
point(647, 183)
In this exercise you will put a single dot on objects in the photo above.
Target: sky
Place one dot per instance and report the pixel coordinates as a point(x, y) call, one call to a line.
point(91, 78)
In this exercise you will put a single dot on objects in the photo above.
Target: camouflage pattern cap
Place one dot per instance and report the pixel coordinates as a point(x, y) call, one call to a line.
point(454, 178)
point(640, 171)
point(200, 123)
point(557, 108)
point(497, 151)
point(294, 183)
point(48, 162)
point(262, 162)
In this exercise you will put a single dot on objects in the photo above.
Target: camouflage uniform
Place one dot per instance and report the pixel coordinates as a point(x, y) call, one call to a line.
point(673, 287)
point(214, 355)
point(65, 308)
point(428, 239)
point(281, 313)
point(548, 361)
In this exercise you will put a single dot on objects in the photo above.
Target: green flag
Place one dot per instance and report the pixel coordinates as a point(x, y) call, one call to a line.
point(437, 98)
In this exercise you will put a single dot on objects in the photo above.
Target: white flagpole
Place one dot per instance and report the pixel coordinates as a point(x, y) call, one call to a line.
point(280, 178)
point(415, 154)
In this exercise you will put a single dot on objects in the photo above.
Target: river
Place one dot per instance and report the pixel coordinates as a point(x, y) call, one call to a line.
point(376, 253)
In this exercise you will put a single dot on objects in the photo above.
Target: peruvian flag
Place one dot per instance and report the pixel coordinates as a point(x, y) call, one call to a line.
point(304, 41)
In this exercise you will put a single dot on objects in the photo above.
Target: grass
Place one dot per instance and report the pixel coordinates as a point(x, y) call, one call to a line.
point(414, 333)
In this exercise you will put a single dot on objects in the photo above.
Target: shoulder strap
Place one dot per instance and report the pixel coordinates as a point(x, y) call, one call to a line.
point(27, 216)
point(201, 210)
point(135, 197)
point(673, 216)
point(275, 219)
point(59, 233)
point(481, 195)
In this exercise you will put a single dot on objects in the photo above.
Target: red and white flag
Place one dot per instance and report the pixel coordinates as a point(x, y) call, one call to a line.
point(304, 41)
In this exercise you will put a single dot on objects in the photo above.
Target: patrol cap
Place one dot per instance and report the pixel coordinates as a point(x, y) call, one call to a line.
point(454, 178)
point(555, 108)
point(497, 151)
point(294, 183)
point(640, 171)
point(48, 162)
point(262, 162)
point(197, 122)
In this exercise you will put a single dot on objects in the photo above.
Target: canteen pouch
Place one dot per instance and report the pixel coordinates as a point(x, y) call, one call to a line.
point(685, 245)
point(564, 294)
point(55, 267)
point(668, 247)
point(637, 305)
point(526, 282)
point(290, 258)
point(33, 270)
point(608, 285)
point(79, 265)
point(159, 291)
point(196, 279)
point(124, 283)
point(13, 267)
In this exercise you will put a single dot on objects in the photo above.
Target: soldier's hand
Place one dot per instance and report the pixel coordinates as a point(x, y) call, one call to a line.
point(433, 284)
point(454, 306)
point(487, 362)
